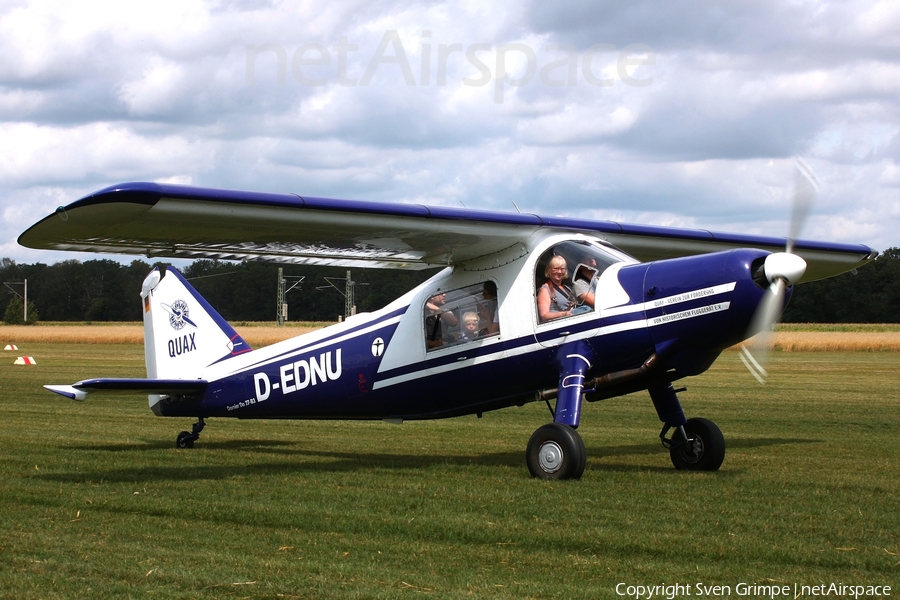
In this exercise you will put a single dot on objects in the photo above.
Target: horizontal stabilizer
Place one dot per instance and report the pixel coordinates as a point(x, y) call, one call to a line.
point(139, 387)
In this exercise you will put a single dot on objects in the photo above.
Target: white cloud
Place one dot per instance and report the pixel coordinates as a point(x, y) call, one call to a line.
point(843, 82)
point(35, 154)
point(101, 92)
point(155, 90)
point(881, 19)
point(576, 125)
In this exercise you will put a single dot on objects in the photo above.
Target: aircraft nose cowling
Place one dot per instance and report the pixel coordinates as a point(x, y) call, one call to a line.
point(699, 305)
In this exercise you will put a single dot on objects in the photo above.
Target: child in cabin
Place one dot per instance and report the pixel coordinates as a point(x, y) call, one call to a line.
point(469, 330)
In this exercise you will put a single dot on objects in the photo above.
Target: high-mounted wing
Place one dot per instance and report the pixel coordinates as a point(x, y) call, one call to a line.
point(172, 221)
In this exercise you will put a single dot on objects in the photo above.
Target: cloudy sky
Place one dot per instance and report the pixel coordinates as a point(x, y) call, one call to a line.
point(681, 113)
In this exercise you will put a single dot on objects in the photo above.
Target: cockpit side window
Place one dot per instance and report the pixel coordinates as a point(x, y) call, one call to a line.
point(462, 315)
point(566, 278)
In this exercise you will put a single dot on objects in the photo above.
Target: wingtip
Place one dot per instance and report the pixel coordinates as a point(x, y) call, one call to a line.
point(68, 391)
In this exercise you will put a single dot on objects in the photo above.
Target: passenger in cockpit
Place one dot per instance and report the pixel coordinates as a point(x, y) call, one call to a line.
point(487, 310)
point(469, 330)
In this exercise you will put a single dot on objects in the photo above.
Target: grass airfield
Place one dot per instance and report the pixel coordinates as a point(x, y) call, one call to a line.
point(98, 503)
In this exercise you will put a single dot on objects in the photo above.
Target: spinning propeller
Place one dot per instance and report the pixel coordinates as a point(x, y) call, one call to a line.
point(781, 270)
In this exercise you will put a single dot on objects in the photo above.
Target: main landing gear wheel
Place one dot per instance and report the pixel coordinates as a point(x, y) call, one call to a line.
point(704, 449)
point(556, 451)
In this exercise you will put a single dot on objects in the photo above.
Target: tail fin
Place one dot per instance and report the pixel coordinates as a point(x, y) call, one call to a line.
point(183, 334)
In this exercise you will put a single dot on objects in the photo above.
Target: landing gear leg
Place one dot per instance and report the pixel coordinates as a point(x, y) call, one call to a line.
point(186, 439)
point(556, 451)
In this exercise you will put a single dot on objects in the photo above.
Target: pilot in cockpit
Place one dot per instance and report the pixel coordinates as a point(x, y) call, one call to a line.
point(583, 281)
point(437, 320)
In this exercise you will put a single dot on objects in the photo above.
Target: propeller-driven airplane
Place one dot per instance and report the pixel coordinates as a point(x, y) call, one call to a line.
point(527, 308)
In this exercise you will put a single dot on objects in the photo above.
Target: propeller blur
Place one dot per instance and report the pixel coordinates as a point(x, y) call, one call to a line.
point(781, 270)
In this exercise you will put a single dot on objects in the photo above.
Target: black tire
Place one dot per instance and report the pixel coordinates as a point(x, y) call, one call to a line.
point(704, 450)
point(556, 451)
point(184, 440)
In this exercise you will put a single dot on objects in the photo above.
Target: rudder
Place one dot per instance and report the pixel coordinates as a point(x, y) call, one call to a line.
point(183, 334)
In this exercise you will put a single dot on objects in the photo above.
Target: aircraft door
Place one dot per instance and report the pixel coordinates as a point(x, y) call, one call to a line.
point(566, 280)
point(461, 327)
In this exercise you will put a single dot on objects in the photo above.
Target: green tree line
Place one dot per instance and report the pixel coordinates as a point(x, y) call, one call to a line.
point(872, 295)
point(105, 290)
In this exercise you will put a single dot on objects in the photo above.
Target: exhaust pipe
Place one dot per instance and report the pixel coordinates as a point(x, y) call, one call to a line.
point(608, 380)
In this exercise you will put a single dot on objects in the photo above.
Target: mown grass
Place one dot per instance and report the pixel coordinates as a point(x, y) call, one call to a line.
point(836, 341)
point(841, 327)
point(98, 503)
point(288, 324)
point(256, 334)
point(788, 337)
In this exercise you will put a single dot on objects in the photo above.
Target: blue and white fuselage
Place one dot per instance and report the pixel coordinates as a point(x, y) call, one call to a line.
point(378, 366)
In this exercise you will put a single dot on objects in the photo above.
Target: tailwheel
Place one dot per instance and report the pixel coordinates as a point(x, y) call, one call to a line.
point(556, 451)
point(186, 439)
point(704, 449)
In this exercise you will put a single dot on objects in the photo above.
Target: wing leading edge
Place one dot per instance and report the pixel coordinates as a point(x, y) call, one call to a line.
point(172, 221)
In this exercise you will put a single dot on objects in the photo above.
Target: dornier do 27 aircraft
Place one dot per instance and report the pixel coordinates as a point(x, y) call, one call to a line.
point(527, 308)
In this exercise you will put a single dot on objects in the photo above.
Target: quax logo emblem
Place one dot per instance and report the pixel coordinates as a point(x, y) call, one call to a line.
point(179, 315)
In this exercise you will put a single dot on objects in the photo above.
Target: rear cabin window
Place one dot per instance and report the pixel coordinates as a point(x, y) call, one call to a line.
point(566, 279)
point(461, 316)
